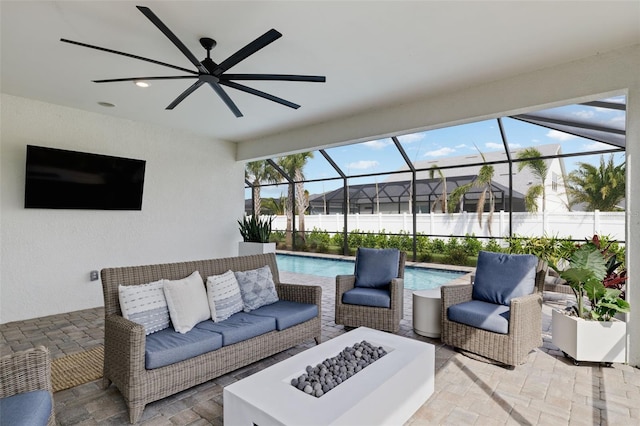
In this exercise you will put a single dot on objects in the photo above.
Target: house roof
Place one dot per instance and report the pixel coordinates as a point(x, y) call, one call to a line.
point(450, 167)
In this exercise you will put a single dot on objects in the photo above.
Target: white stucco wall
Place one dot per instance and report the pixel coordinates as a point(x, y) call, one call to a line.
point(187, 213)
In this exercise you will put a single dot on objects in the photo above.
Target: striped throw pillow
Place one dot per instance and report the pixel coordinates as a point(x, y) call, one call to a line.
point(145, 304)
point(224, 296)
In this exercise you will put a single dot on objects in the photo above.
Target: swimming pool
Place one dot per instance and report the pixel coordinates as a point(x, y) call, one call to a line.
point(414, 278)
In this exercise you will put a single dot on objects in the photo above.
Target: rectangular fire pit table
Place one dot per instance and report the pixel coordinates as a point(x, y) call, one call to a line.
point(386, 392)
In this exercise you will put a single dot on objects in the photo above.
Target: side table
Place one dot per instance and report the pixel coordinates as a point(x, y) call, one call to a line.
point(427, 312)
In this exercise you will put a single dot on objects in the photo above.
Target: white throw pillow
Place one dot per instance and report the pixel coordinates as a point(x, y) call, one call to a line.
point(257, 288)
point(224, 296)
point(187, 301)
point(145, 304)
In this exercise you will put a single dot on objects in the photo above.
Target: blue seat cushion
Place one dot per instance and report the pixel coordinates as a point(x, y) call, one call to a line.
point(375, 268)
point(287, 314)
point(239, 327)
point(367, 297)
point(487, 316)
point(26, 409)
point(501, 277)
point(167, 346)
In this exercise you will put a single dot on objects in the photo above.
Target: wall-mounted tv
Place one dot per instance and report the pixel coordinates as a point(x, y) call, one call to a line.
point(61, 179)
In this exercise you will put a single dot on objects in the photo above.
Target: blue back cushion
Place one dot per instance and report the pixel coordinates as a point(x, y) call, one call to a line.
point(501, 277)
point(375, 268)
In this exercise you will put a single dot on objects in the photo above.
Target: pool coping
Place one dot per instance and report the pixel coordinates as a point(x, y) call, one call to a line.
point(462, 279)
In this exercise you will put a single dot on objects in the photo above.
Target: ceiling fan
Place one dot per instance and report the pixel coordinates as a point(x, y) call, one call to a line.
point(215, 75)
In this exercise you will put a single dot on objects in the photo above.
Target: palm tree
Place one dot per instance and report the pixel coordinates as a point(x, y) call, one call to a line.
point(483, 181)
point(275, 205)
point(442, 198)
point(293, 165)
point(258, 172)
point(540, 170)
point(600, 188)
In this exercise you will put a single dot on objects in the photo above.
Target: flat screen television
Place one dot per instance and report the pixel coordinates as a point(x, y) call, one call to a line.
point(61, 179)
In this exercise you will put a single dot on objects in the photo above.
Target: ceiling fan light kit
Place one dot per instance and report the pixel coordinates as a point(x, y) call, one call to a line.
point(209, 72)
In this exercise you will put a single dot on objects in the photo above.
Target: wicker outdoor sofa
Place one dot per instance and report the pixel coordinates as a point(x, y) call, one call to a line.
point(124, 357)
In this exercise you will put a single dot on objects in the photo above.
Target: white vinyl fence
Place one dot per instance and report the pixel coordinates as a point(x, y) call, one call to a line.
point(576, 225)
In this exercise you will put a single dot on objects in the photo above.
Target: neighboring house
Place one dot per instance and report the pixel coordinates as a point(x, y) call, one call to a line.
point(394, 194)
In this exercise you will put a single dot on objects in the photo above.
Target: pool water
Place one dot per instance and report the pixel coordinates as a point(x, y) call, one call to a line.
point(414, 278)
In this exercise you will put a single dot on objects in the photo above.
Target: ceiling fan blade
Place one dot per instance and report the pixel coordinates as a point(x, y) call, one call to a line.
point(275, 77)
point(225, 98)
point(173, 77)
point(171, 36)
point(260, 93)
point(251, 48)
point(184, 94)
point(129, 55)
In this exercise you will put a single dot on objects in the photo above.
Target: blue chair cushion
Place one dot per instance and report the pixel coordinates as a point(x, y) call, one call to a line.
point(377, 297)
point(487, 316)
point(26, 409)
point(167, 346)
point(501, 277)
point(287, 314)
point(375, 268)
point(239, 327)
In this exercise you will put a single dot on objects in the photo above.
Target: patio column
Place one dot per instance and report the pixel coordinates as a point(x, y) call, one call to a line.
point(633, 223)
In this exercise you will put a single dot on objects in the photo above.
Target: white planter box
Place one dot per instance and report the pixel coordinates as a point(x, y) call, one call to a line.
point(248, 249)
point(595, 341)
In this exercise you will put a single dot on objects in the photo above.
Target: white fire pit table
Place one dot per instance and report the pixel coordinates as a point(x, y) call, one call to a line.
point(386, 392)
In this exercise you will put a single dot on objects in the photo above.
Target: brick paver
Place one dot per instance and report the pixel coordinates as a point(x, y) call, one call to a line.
point(547, 390)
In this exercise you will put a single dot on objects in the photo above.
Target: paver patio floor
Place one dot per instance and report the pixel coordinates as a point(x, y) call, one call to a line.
point(547, 390)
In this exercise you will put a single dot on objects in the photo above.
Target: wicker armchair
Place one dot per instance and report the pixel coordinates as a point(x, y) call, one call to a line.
point(524, 325)
point(27, 371)
point(386, 319)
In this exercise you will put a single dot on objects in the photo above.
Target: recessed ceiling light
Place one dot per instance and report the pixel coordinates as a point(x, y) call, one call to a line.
point(141, 84)
point(106, 104)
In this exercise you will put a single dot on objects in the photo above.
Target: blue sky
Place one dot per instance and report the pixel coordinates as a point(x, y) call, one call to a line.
point(382, 156)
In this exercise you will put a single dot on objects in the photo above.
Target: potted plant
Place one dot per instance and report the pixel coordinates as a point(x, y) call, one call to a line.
point(589, 331)
point(255, 233)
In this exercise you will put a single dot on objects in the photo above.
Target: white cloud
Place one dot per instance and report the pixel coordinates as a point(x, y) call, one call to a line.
point(617, 119)
point(413, 137)
point(378, 144)
point(440, 152)
point(461, 146)
point(584, 114)
point(362, 165)
point(595, 146)
point(561, 136)
point(494, 145)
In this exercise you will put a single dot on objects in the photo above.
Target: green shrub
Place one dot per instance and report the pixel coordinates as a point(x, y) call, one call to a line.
point(456, 256)
point(317, 238)
point(492, 245)
point(355, 238)
point(423, 245)
point(438, 246)
point(337, 240)
point(471, 245)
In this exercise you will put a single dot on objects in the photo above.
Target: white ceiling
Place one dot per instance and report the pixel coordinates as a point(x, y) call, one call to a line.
point(374, 54)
